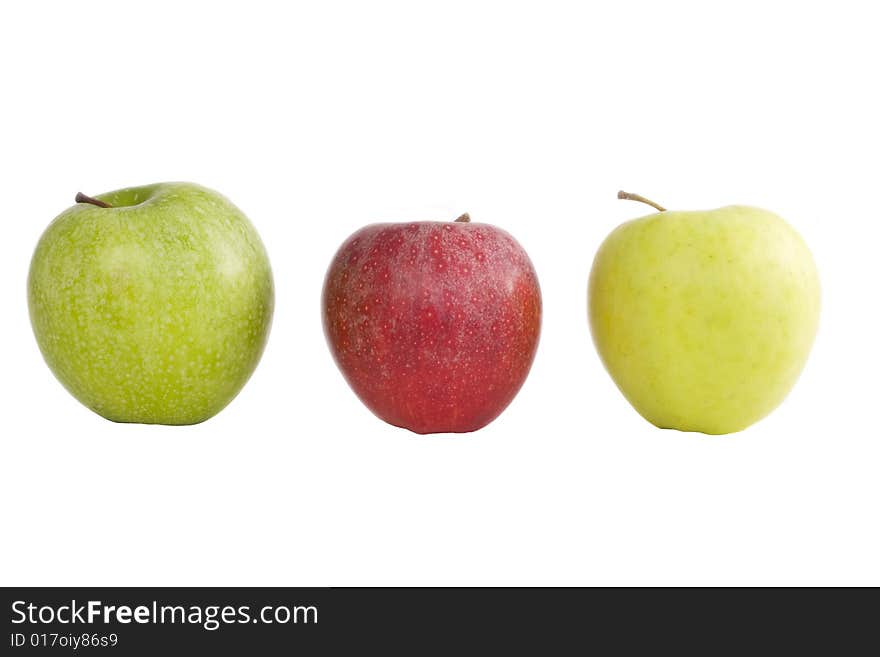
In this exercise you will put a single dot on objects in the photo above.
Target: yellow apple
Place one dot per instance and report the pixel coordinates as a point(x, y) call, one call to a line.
point(704, 319)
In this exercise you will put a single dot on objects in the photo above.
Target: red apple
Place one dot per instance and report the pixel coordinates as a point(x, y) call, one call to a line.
point(434, 325)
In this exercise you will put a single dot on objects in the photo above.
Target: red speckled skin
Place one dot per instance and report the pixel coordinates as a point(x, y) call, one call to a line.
point(434, 325)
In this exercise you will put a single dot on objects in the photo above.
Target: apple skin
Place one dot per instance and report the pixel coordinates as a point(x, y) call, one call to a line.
point(704, 319)
point(155, 310)
point(434, 325)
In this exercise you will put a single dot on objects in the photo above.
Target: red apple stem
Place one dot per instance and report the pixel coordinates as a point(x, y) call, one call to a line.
point(464, 219)
point(626, 196)
point(82, 198)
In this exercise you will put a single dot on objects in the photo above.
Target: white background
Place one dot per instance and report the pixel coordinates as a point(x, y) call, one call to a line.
point(319, 119)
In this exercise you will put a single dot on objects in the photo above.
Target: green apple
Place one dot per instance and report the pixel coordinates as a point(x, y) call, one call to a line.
point(704, 319)
point(152, 304)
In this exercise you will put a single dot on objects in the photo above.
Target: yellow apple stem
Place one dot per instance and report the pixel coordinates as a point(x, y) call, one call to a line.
point(463, 219)
point(626, 196)
point(82, 198)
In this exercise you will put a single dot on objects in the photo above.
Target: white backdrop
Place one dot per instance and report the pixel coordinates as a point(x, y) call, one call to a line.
point(318, 120)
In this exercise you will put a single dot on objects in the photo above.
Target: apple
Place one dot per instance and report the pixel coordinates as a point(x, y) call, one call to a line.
point(433, 324)
point(152, 304)
point(704, 319)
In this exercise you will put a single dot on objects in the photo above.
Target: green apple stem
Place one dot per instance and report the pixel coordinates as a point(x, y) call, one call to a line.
point(626, 196)
point(82, 198)
point(463, 219)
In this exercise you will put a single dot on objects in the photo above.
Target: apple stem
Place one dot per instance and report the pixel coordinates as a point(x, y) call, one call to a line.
point(464, 219)
point(82, 198)
point(626, 196)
